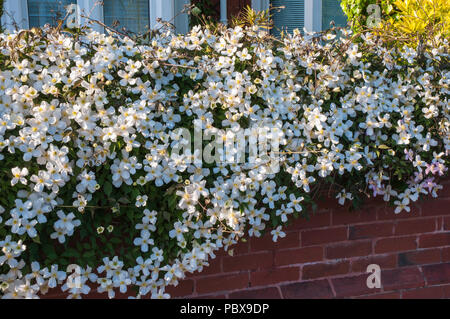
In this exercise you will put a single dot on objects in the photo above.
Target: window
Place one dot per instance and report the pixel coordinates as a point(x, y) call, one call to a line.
point(41, 12)
point(133, 15)
point(289, 18)
point(314, 15)
point(332, 11)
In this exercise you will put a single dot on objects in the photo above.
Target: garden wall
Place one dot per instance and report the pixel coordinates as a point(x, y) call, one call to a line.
point(327, 256)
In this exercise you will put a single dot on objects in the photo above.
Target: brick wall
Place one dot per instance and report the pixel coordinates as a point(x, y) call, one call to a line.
point(327, 256)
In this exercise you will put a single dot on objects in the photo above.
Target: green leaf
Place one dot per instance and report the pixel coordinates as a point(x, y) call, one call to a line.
point(389, 8)
point(70, 252)
point(37, 239)
point(314, 207)
point(83, 233)
point(124, 200)
point(116, 240)
point(107, 188)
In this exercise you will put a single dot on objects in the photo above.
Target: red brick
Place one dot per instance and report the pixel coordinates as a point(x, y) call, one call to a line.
point(322, 236)
point(215, 267)
point(345, 217)
point(320, 219)
point(419, 257)
point(298, 256)
point(444, 192)
point(372, 201)
point(55, 293)
point(415, 226)
point(424, 293)
point(326, 200)
point(440, 223)
point(222, 283)
point(320, 270)
point(94, 294)
point(447, 222)
point(387, 295)
point(184, 288)
point(373, 230)
point(387, 213)
point(387, 245)
point(352, 286)
point(437, 274)
point(349, 249)
point(327, 203)
point(307, 290)
point(209, 296)
point(273, 276)
point(434, 240)
point(238, 249)
point(384, 261)
point(292, 240)
point(445, 254)
point(446, 291)
point(401, 278)
point(264, 293)
point(435, 207)
point(252, 261)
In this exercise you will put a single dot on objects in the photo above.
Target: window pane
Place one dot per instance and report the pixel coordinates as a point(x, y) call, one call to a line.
point(289, 18)
point(332, 11)
point(133, 15)
point(41, 12)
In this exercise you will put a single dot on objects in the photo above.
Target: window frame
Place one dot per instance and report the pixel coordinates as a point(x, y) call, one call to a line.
point(313, 12)
point(164, 9)
point(321, 13)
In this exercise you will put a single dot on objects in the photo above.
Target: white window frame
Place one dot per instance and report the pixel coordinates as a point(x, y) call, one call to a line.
point(91, 9)
point(313, 15)
point(163, 9)
point(260, 5)
point(17, 13)
point(313, 12)
point(181, 20)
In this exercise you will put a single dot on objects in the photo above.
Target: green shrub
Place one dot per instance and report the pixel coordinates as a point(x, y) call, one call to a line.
point(99, 172)
point(419, 21)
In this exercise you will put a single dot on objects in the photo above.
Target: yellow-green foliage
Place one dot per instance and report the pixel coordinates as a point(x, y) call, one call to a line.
point(250, 17)
point(422, 18)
